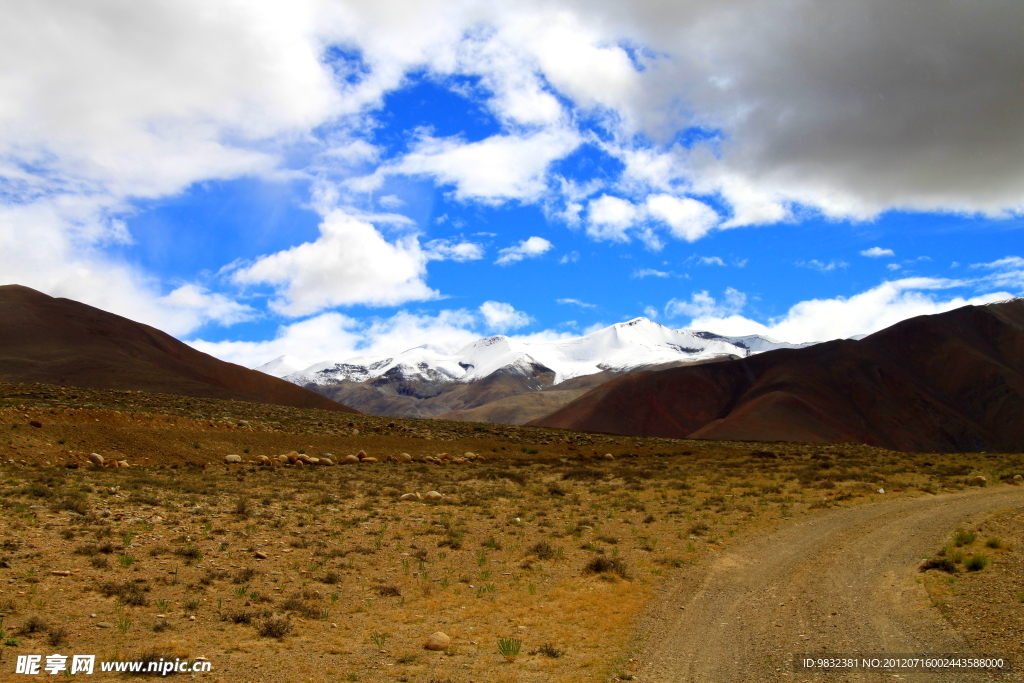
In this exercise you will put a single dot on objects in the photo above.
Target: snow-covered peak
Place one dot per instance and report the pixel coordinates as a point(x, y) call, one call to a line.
point(622, 346)
point(282, 366)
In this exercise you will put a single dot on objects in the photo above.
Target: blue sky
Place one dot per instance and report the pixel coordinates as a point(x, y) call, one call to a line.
point(342, 178)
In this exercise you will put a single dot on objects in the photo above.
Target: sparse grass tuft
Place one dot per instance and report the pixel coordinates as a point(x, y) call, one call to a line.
point(606, 565)
point(976, 563)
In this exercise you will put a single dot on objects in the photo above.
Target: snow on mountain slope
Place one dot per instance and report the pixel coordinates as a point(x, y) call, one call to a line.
point(282, 366)
point(621, 347)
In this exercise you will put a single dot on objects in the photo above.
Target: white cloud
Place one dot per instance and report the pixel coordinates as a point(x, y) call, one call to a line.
point(528, 248)
point(649, 272)
point(821, 266)
point(337, 337)
point(576, 302)
point(894, 266)
point(710, 261)
point(877, 252)
point(497, 169)
point(1008, 272)
point(651, 312)
point(503, 317)
point(571, 257)
point(703, 305)
point(842, 317)
point(441, 250)
point(350, 263)
point(688, 219)
point(392, 202)
point(610, 217)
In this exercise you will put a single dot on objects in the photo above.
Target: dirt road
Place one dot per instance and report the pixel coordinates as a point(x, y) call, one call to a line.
point(839, 581)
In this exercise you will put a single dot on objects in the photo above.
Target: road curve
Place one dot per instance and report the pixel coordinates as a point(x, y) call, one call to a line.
point(839, 581)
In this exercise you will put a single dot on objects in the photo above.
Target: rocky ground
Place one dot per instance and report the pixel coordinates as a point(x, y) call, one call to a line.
point(312, 573)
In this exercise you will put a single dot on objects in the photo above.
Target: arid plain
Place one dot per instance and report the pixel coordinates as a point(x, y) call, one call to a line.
point(316, 573)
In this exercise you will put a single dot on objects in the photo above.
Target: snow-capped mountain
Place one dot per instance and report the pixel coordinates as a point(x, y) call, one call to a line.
point(621, 347)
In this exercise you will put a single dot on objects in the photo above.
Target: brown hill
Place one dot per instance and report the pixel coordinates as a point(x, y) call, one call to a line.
point(59, 341)
point(938, 383)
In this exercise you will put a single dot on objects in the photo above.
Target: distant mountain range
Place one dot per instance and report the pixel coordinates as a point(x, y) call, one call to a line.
point(59, 341)
point(938, 383)
point(499, 379)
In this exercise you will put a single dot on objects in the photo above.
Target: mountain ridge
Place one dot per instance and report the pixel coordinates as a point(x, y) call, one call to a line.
point(952, 381)
point(51, 340)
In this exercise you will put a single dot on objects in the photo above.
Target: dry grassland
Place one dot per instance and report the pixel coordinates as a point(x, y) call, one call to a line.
point(321, 573)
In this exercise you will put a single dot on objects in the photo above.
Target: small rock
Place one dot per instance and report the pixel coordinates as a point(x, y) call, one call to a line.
point(243, 423)
point(410, 496)
point(355, 432)
point(368, 459)
point(260, 555)
point(1018, 480)
point(60, 572)
point(122, 463)
point(36, 423)
point(361, 455)
point(232, 458)
point(350, 459)
point(96, 459)
point(192, 618)
point(404, 457)
point(609, 456)
point(104, 624)
point(433, 495)
point(437, 641)
point(977, 481)
point(326, 461)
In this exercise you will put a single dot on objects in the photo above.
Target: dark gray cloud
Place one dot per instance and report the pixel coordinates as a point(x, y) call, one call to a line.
point(852, 105)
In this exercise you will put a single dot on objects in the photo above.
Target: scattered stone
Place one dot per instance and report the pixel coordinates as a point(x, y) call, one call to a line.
point(405, 457)
point(433, 495)
point(60, 572)
point(36, 423)
point(326, 461)
point(355, 432)
point(368, 459)
point(260, 555)
point(122, 463)
point(977, 481)
point(1018, 480)
point(410, 496)
point(232, 458)
point(243, 423)
point(96, 459)
point(350, 459)
point(437, 641)
point(361, 455)
point(264, 460)
point(104, 624)
point(609, 456)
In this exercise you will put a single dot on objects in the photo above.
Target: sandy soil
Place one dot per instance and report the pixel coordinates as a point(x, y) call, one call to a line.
point(840, 581)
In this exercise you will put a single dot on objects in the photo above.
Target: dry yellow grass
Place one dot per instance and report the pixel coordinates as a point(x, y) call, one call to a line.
point(504, 555)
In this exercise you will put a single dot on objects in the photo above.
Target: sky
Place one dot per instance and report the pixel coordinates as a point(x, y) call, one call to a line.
point(329, 178)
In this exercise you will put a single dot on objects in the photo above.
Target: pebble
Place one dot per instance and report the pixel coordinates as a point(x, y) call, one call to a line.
point(104, 624)
point(232, 458)
point(437, 641)
point(260, 555)
point(433, 495)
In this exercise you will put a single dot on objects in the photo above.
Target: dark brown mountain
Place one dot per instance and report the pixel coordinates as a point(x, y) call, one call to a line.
point(938, 383)
point(59, 341)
